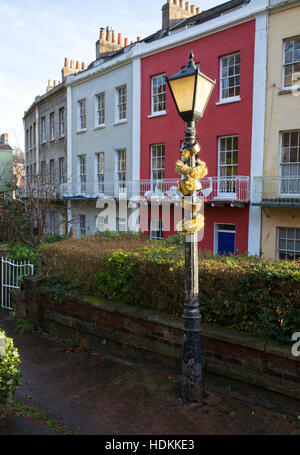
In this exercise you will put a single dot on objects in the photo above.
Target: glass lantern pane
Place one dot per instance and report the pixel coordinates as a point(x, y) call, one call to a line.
point(183, 92)
point(203, 91)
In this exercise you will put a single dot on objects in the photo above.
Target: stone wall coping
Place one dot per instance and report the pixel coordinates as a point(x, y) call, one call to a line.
point(227, 335)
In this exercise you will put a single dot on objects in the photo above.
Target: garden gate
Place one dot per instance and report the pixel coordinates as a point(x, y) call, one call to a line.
point(11, 274)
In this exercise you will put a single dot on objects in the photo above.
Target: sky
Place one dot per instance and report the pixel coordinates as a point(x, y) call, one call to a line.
point(37, 35)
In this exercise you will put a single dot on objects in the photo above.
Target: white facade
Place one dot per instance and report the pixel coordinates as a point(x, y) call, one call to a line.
point(104, 135)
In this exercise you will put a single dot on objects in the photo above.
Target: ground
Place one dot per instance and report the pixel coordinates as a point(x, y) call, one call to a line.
point(68, 390)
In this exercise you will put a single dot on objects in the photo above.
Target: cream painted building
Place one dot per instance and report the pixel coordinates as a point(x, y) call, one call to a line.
point(277, 192)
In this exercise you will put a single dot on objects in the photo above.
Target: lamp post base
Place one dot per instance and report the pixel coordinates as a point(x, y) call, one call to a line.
point(191, 384)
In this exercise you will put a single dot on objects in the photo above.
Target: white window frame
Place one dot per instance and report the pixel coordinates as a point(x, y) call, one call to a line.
point(61, 120)
point(82, 172)
point(61, 165)
point(52, 126)
point(100, 160)
point(229, 99)
point(121, 158)
point(230, 181)
point(296, 243)
point(284, 65)
point(120, 109)
point(154, 103)
point(294, 180)
point(27, 140)
point(121, 221)
point(100, 110)
point(43, 171)
point(43, 130)
point(30, 137)
point(156, 230)
point(161, 170)
point(52, 170)
point(54, 222)
point(82, 225)
point(82, 115)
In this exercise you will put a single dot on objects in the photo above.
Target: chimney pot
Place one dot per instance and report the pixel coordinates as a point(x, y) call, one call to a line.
point(102, 33)
point(72, 64)
point(193, 9)
point(198, 10)
point(187, 6)
point(138, 38)
point(175, 2)
point(108, 34)
point(83, 66)
point(66, 62)
point(181, 4)
point(77, 65)
point(114, 40)
point(125, 42)
point(120, 39)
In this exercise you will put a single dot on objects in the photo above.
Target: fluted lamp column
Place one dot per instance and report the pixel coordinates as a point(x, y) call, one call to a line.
point(191, 91)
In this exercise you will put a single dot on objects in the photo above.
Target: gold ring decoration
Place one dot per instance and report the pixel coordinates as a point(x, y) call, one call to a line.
point(190, 206)
point(188, 227)
point(189, 184)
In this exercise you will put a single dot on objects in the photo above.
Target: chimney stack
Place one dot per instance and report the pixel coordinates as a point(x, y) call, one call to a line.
point(175, 11)
point(108, 43)
point(49, 86)
point(69, 68)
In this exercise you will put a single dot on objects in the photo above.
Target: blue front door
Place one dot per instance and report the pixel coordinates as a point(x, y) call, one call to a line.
point(226, 242)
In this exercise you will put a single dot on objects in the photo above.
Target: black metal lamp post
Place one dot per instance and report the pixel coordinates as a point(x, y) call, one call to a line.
point(191, 91)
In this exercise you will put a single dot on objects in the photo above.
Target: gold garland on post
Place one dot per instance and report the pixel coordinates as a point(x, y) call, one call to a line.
point(190, 182)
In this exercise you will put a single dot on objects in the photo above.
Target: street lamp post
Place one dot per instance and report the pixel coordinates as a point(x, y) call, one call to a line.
point(191, 91)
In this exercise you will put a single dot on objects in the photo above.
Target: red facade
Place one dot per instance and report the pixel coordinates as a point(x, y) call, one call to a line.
point(220, 120)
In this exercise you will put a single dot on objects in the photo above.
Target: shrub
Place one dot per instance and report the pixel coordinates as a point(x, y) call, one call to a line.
point(243, 292)
point(53, 238)
point(23, 253)
point(10, 376)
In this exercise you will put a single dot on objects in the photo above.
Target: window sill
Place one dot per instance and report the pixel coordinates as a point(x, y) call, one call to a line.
point(100, 127)
point(81, 131)
point(229, 100)
point(61, 137)
point(52, 140)
point(288, 91)
point(157, 114)
point(120, 122)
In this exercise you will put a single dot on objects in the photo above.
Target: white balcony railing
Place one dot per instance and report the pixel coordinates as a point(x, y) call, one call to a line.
point(276, 191)
point(215, 189)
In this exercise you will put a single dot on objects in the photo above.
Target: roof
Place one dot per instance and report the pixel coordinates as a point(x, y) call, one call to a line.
point(204, 16)
point(211, 13)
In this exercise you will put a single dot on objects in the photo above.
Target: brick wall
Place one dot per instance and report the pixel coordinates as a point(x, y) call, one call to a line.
point(155, 339)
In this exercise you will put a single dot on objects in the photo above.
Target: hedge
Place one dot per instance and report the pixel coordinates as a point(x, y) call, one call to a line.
point(256, 296)
point(10, 376)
